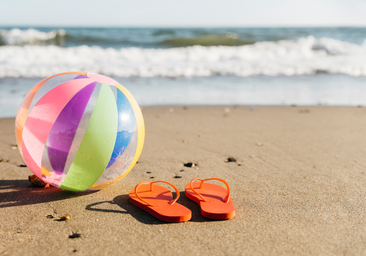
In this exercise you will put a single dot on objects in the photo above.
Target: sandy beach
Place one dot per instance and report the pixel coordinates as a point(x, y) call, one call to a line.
point(299, 187)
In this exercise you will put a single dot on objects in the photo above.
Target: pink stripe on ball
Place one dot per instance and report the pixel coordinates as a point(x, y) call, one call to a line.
point(102, 79)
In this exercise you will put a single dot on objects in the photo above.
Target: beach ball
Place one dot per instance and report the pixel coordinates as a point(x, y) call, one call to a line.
point(79, 131)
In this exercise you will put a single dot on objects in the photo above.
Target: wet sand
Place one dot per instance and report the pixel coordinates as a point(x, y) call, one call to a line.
point(299, 187)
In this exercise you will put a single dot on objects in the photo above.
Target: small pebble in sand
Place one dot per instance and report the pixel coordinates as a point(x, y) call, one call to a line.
point(152, 177)
point(189, 164)
point(14, 146)
point(304, 111)
point(181, 170)
point(75, 235)
point(259, 144)
point(22, 165)
point(199, 135)
point(252, 156)
point(177, 177)
point(227, 110)
point(148, 172)
point(64, 218)
point(74, 250)
point(231, 159)
point(49, 216)
point(184, 141)
point(239, 164)
point(3, 161)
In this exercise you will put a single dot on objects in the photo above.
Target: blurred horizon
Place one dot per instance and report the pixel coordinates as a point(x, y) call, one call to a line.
point(178, 26)
point(190, 13)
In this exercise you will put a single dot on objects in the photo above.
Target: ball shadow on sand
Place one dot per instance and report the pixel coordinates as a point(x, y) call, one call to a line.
point(20, 192)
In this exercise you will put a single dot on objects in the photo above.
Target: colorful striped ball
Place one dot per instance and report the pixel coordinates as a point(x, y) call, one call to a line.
point(79, 131)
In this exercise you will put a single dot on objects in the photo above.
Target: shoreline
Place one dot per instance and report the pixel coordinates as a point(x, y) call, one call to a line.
point(310, 90)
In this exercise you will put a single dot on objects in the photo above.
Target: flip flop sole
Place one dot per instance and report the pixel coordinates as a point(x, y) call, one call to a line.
point(174, 219)
point(160, 208)
point(215, 208)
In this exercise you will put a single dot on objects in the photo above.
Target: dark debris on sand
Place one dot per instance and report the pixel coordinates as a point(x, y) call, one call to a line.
point(36, 182)
point(75, 235)
point(231, 159)
point(177, 177)
point(190, 165)
point(64, 218)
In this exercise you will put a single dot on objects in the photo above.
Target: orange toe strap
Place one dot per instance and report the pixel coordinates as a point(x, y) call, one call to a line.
point(151, 189)
point(227, 198)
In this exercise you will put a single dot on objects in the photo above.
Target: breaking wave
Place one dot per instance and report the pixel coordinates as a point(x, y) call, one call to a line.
point(17, 36)
point(304, 56)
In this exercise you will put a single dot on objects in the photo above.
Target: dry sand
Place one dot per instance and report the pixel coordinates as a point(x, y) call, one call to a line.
point(299, 188)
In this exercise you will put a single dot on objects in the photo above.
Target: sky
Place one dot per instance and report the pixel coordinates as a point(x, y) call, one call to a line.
point(182, 13)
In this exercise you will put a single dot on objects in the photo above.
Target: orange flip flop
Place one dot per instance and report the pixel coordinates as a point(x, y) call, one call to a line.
point(214, 200)
point(158, 201)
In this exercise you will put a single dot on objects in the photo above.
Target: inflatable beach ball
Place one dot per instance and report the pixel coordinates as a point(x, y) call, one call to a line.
point(79, 131)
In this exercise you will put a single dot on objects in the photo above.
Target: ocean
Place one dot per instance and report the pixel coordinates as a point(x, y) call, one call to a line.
point(194, 66)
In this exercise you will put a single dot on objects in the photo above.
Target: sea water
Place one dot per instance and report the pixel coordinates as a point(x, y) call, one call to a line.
point(247, 66)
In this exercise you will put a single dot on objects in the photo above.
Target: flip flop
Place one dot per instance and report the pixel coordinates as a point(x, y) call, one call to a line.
point(214, 200)
point(158, 201)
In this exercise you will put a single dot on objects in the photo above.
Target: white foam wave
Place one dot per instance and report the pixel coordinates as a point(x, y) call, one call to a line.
point(288, 57)
point(17, 36)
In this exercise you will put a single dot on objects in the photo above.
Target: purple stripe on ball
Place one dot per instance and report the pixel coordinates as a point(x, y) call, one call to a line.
point(80, 76)
point(64, 129)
